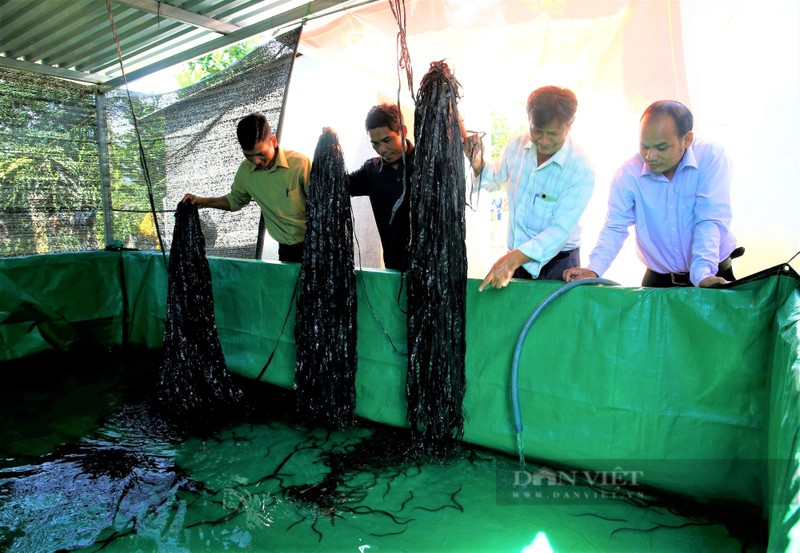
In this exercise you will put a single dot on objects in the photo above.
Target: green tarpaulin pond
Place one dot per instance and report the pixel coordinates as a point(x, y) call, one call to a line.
point(691, 391)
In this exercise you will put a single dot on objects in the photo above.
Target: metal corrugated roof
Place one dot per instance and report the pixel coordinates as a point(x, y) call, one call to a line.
point(74, 39)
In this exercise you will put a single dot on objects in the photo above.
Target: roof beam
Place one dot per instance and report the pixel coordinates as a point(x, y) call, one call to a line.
point(291, 17)
point(184, 16)
point(42, 69)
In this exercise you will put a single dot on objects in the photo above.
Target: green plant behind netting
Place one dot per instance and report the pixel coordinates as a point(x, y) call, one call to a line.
point(502, 132)
point(49, 179)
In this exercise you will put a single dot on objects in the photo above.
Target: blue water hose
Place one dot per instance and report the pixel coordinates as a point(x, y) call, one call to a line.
point(518, 350)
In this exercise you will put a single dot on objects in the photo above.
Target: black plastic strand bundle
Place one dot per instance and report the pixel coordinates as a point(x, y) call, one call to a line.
point(437, 276)
point(194, 381)
point(325, 324)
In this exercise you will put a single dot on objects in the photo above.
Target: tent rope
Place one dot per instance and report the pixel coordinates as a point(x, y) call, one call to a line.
point(142, 159)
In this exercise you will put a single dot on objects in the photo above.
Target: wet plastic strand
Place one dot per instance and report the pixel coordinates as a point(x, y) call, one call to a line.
point(194, 381)
point(437, 275)
point(325, 326)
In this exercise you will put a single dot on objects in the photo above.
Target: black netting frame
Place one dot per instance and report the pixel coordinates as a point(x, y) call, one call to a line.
point(58, 195)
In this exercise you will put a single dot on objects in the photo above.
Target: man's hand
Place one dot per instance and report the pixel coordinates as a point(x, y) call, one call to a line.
point(711, 281)
point(578, 273)
point(503, 270)
point(220, 202)
point(473, 149)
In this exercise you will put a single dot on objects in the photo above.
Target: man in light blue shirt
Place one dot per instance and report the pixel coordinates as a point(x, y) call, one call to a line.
point(676, 193)
point(548, 180)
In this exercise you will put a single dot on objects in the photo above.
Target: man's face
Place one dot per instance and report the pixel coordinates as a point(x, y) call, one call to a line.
point(550, 138)
point(387, 144)
point(263, 153)
point(659, 144)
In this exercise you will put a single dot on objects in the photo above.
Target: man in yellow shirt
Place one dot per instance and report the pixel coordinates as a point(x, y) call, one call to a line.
point(276, 179)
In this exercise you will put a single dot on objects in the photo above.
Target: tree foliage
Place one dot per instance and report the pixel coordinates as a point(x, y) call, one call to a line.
point(50, 188)
point(502, 131)
point(49, 183)
point(198, 69)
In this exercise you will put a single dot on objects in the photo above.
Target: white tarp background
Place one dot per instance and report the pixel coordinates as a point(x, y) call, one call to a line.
point(734, 63)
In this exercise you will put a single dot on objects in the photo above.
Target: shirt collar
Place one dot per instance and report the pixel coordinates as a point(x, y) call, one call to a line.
point(560, 157)
point(688, 160)
point(280, 161)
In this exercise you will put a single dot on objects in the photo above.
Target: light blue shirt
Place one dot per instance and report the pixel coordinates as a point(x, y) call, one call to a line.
point(681, 225)
point(545, 202)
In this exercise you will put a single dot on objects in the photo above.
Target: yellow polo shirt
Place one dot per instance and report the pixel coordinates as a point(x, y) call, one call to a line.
point(281, 191)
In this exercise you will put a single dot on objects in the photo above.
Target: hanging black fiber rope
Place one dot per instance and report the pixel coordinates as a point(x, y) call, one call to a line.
point(403, 55)
point(325, 324)
point(194, 381)
point(437, 276)
point(142, 157)
point(403, 63)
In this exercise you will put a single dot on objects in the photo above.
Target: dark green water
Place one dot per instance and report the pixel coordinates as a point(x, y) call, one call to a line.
point(87, 465)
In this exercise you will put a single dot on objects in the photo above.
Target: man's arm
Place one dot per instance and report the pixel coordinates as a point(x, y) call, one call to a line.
point(620, 216)
point(220, 202)
point(711, 281)
point(712, 214)
point(473, 149)
point(578, 273)
point(358, 180)
point(493, 173)
point(503, 270)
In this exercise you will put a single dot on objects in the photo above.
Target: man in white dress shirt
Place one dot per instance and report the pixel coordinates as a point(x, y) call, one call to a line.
point(549, 180)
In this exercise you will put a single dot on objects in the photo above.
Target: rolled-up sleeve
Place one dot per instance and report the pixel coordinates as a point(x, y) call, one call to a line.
point(712, 215)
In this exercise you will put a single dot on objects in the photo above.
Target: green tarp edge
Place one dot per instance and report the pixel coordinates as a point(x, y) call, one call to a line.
point(783, 432)
point(673, 384)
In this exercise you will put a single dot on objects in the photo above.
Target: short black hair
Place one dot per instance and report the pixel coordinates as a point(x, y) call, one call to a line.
point(252, 129)
point(683, 118)
point(552, 103)
point(384, 115)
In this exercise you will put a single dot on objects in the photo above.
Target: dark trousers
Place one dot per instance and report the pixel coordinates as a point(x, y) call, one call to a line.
point(293, 253)
point(653, 279)
point(553, 269)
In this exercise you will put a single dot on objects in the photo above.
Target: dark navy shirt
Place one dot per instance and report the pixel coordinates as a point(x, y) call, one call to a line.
point(384, 186)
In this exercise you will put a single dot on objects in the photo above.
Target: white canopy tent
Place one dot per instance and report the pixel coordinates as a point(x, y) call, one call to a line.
point(735, 64)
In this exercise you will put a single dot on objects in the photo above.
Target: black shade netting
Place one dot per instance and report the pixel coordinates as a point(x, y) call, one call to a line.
point(189, 139)
point(437, 276)
point(80, 172)
point(325, 324)
point(194, 381)
point(50, 186)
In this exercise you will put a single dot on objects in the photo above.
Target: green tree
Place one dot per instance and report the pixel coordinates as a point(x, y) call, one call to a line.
point(130, 191)
point(49, 185)
point(502, 131)
point(198, 69)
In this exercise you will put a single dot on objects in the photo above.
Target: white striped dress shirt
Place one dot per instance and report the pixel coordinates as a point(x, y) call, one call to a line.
point(545, 202)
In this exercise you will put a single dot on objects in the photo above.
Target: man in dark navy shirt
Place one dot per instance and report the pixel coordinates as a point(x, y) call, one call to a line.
point(381, 178)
